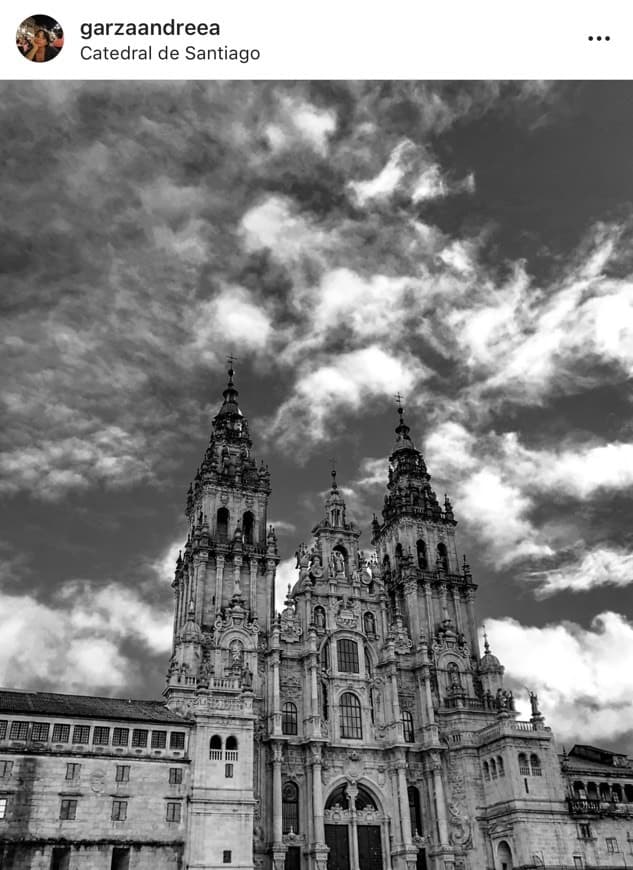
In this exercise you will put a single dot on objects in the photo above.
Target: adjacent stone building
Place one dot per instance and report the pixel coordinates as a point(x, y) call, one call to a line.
point(360, 729)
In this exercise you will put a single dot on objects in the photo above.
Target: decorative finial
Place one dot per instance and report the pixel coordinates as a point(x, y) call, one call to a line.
point(230, 360)
point(333, 473)
point(486, 644)
point(399, 399)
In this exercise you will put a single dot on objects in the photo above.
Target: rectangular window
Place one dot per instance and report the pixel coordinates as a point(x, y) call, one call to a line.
point(177, 740)
point(119, 811)
point(68, 809)
point(3, 729)
point(81, 734)
point(175, 775)
point(584, 831)
point(72, 770)
point(139, 737)
point(61, 733)
point(612, 845)
point(39, 730)
point(120, 736)
point(159, 739)
point(347, 654)
point(578, 862)
point(226, 857)
point(19, 731)
point(123, 773)
point(3, 808)
point(228, 771)
point(100, 736)
point(5, 768)
point(173, 811)
point(120, 858)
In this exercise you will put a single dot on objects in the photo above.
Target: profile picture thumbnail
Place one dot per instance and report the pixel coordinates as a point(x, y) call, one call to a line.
point(39, 38)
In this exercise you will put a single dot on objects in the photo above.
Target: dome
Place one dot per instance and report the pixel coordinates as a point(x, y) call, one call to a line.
point(488, 663)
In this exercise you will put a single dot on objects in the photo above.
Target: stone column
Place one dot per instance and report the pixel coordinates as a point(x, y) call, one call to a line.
point(317, 796)
point(440, 800)
point(428, 600)
point(473, 640)
point(278, 849)
point(219, 573)
point(315, 713)
point(411, 593)
point(457, 604)
point(405, 821)
point(253, 587)
point(352, 791)
point(275, 655)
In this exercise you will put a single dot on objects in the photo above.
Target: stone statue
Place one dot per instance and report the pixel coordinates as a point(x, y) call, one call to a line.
point(534, 704)
point(338, 562)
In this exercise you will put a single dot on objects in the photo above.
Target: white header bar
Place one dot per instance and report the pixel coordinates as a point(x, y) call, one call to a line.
point(346, 39)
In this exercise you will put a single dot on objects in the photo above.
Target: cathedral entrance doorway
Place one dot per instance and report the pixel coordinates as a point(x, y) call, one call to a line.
point(354, 830)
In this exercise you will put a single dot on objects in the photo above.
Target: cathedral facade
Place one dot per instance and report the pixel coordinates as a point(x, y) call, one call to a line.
point(360, 729)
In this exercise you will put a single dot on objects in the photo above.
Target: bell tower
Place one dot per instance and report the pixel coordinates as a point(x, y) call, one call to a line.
point(224, 597)
point(415, 544)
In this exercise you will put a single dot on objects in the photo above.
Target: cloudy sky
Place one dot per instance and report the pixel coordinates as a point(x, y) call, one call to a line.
point(468, 245)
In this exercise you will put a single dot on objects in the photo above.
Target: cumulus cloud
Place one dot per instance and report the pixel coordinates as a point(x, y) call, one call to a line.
point(498, 483)
point(584, 677)
point(341, 384)
point(75, 642)
point(603, 566)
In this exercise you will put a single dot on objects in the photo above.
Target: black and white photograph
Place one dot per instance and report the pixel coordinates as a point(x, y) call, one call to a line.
point(316, 469)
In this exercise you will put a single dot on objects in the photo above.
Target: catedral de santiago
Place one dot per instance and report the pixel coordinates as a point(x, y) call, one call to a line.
point(361, 729)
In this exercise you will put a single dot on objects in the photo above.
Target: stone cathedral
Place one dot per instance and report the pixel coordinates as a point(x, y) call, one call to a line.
point(360, 729)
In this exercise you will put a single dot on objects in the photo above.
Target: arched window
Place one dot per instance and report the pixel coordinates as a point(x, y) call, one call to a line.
point(369, 624)
point(289, 718)
point(504, 853)
point(290, 808)
point(628, 794)
point(222, 524)
point(535, 764)
point(442, 556)
point(350, 717)
point(493, 768)
point(486, 767)
point(616, 793)
point(524, 767)
point(407, 727)
point(500, 766)
point(231, 748)
point(398, 555)
point(592, 791)
point(414, 810)
point(325, 708)
point(324, 656)
point(364, 801)
point(423, 561)
point(605, 792)
point(347, 655)
point(215, 748)
point(248, 527)
point(338, 798)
